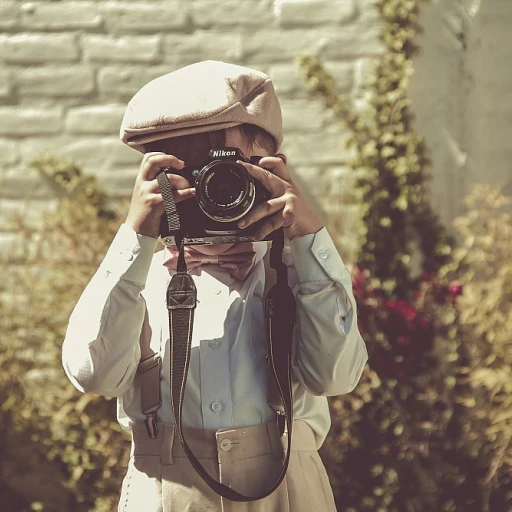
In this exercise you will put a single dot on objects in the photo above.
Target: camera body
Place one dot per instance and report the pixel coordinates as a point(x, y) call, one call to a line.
point(225, 193)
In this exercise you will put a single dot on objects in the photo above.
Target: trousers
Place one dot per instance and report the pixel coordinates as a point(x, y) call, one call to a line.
point(160, 478)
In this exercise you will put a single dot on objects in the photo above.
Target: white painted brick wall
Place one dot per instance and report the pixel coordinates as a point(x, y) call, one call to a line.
point(307, 13)
point(121, 82)
point(9, 12)
point(139, 17)
point(39, 48)
point(182, 49)
point(68, 68)
point(22, 122)
point(97, 119)
point(107, 48)
point(54, 82)
point(232, 14)
point(5, 83)
point(54, 16)
point(9, 155)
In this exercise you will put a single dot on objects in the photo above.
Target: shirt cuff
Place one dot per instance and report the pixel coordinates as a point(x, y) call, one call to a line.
point(316, 258)
point(130, 255)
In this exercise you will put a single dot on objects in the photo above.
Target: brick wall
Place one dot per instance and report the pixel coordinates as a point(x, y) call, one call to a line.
point(68, 68)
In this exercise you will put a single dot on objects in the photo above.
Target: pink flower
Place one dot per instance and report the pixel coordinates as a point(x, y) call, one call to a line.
point(405, 341)
point(426, 276)
point(455, 290)
point(402, 308)
point(424, 322)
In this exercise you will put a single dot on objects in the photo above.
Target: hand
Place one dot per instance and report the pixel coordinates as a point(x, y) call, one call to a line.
point(286, 208)
point(147, 205)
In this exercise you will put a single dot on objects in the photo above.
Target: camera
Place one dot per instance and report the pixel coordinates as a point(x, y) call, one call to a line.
point(225, 192)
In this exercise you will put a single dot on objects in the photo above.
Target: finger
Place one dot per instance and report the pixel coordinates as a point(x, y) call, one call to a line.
point(271, 224)
point(154, 163)
point(271, 182)
point(151, 153)
point(183, 194)
point(283, 157)
point(156, 199)
point(265, 209)
point(176, 181)
point(276, 164)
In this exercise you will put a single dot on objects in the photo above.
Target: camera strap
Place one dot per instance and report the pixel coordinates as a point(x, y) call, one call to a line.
point(280, 310)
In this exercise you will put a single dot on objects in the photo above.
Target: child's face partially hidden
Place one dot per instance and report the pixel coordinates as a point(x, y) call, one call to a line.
point(234, 139)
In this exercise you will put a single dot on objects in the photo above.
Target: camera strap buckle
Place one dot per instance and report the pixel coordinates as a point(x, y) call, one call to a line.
point(151, 425)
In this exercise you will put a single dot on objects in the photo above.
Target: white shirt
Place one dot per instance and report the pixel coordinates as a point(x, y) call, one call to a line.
point(226, 385)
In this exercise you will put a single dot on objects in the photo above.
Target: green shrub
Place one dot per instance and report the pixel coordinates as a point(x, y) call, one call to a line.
point(483, 265)
point(61, 450)
point(427, 428)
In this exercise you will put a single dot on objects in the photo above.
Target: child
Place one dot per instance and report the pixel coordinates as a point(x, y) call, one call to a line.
point(175, 120)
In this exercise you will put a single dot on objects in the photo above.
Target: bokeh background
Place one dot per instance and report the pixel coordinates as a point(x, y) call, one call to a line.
point(397, 116)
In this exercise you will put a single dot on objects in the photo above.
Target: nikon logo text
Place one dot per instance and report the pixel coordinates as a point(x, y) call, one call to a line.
point(222, 152)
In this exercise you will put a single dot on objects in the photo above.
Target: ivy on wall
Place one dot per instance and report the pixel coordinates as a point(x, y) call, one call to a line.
point(391, 157)
point(416, 434)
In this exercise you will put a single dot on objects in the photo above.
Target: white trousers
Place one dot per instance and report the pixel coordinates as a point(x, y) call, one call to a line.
point(160, 478)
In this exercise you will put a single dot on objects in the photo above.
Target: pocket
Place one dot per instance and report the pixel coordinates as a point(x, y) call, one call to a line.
point(142, 486)
point(308, 483)
point(255, 475)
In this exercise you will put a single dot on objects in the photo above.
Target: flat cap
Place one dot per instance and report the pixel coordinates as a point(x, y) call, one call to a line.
point(202, 97)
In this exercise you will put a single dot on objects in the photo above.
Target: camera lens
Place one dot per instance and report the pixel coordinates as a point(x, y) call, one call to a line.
point(225, 191)
point(224, 187)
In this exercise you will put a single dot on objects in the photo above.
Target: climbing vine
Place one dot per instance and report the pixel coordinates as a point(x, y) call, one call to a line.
point(410, 437)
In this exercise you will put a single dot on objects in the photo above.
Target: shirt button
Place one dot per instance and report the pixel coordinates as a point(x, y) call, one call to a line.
point(226, 445)
point(323, 253)
point(217, 291)
point(213, 344)
point(216, 407)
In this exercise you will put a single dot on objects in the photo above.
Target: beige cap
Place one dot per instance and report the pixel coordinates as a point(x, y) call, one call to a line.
point(202, 97)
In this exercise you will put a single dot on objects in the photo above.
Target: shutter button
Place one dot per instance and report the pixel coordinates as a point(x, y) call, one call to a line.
point(226, 445)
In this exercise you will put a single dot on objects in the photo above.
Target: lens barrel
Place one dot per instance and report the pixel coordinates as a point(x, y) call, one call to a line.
point(225, 191)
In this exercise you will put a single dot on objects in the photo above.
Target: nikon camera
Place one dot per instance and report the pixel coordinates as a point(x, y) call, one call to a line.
point(225, 192)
